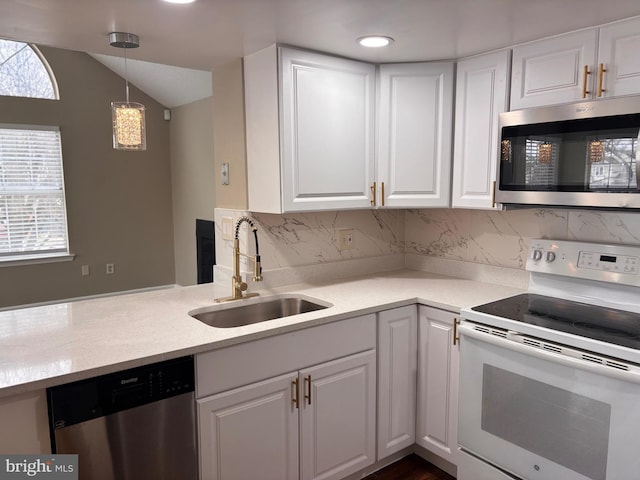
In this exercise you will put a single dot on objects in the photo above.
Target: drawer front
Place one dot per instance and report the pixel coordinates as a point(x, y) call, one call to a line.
point(231, 367)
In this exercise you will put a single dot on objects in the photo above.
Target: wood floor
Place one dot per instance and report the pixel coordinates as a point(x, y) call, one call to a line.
point(410, 468)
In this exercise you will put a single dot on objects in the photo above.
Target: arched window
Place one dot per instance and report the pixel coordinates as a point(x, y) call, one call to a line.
point(24, 72)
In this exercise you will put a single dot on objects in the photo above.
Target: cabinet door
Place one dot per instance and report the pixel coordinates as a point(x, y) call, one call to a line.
point(618, 53)
point(337, 417)
point(250, 432)
point(481, 94)
point(551, 71)
point(327, 131)
point(415, 124)
point(397, 371)
point(438, 360)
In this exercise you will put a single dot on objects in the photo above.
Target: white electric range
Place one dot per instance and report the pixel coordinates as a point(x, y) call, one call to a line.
point(550, 379)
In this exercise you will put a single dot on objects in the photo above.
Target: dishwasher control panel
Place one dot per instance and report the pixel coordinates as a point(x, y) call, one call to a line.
point(114, 392)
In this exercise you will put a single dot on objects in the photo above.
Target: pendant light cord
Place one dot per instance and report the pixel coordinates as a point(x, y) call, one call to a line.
point(126, 75)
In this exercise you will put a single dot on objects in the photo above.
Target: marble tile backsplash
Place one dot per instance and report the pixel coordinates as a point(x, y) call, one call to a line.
point(496, 238)
point(481, 236)
point(501, 238)
point(306, 240)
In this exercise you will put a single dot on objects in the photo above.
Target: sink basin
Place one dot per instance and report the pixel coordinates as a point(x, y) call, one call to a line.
point(247, 312)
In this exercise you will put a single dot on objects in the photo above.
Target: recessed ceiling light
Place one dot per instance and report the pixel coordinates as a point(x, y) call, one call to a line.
point(375, 41)
point(179, 1)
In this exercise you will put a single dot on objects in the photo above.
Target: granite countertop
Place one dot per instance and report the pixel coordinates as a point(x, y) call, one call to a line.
point(55, 344)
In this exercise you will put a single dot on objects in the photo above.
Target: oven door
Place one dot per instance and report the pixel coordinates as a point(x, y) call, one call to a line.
point(542, 415)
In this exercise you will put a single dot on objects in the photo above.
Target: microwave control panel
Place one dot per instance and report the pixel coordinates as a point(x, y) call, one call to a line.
point(593, 261)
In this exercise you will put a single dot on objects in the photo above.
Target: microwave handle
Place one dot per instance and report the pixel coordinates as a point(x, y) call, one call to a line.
point(467, 330)
point(638, 162)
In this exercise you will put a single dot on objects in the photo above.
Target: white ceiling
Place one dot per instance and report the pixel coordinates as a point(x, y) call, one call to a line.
point(208, 33)
point(171, 86)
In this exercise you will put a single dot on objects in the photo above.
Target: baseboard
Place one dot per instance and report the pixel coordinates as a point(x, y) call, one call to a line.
point(380, 464)
point(434, 459)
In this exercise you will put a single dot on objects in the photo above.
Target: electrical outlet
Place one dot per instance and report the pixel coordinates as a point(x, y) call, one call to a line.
point(227, 228)
point(347, 239)
point(110, 269)
point(85, 270)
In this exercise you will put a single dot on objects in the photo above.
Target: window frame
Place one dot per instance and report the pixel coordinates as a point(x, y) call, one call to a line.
point(42, 256)
point(47, 67)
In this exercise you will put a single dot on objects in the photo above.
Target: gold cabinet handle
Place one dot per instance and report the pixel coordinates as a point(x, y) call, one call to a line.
point(307, 396)
point(295, 386)
point(601, 71)
point(382, 192)
point(493, 195)
point(373, 194)
point(584, 81)
point(456, 338)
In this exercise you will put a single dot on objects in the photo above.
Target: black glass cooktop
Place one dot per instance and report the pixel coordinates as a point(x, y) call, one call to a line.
point(600, 323)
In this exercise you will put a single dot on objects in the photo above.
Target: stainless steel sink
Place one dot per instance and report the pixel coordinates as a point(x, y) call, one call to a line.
point(247, 312)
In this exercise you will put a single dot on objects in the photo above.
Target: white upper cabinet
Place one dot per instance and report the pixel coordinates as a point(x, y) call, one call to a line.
point(415, 128)
point(553, 70)
point(310, 131)
point(588, 64)
point(481, 94)
point(619, 54)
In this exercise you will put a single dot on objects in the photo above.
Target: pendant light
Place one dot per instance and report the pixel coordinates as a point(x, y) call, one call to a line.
point(505, 150)
point(545, 153)
point(128, 120)
point(596, 151)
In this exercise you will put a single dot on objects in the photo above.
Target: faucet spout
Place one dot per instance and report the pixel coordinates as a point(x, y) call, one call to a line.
point(238, 286)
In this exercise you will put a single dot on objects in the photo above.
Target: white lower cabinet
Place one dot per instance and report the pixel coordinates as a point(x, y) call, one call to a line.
point(397, 369)
point(337, 417)
point(249, 432)
point(438, 364)
point(316, 422)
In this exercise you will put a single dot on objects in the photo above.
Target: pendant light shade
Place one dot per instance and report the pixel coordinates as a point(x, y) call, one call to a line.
point(545, 153)
point(129, 129)
point(596, 151)
point(127, 118)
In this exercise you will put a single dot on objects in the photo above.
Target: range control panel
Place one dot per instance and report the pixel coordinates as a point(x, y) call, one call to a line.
point(608, 263)
point(594, 261)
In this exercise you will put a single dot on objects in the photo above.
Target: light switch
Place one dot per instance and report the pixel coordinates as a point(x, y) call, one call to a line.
point(224, 173)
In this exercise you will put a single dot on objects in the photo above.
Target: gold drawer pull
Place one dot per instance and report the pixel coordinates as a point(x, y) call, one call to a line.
point(456, 338)
point(307, 396)
point(296, 393)
point(584, 81)
point(601, 71)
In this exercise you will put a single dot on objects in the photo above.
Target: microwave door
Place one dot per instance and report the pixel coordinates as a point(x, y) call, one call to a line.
point(584, 162)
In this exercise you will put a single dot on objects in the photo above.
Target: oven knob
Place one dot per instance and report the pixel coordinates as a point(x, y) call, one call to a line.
point(537, 255)
point(551, 256)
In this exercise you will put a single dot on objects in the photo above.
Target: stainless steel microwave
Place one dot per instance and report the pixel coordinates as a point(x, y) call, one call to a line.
point(577, 155)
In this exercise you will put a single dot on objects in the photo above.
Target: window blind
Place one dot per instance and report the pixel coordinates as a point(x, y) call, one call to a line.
point(32, 202)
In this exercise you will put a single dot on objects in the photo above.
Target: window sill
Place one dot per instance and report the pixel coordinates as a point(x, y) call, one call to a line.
point(36, 259)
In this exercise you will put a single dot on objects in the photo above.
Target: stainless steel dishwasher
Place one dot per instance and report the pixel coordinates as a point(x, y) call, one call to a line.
point(136, 424)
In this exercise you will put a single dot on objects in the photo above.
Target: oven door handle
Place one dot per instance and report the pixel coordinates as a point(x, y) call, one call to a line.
point(558, 358)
